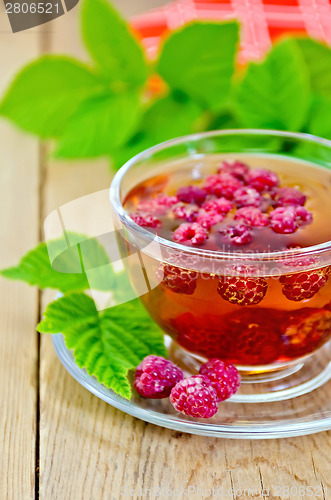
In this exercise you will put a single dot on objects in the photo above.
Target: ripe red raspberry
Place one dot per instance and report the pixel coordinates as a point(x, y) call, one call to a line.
point(258, 345)
point(187, 212)
point(191, 194)
point(195, 396)
point(145, 220)
point(218, 206)
point(262, 180)
point(155, 377)
point(247, 197)
point(238, 235)
point(205, 335)
point(208, 219)
point(222, 185)
point(289, 196)
point(243, 291)
point(283, 220)
point(286, 220)
point(234, 167)
point(190, 234)
point(304, 330)
point(303, 216)
point(180, 259)
point(177, 279)
point(248, 271)
point(158, 205)
point(300, 286)
point(256, 335)
point(223, 376)
point(252, 216)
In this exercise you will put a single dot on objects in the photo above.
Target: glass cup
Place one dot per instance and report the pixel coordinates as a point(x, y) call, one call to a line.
point(267, 341)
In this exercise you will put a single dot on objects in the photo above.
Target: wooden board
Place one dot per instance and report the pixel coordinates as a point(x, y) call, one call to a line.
point(19, 304)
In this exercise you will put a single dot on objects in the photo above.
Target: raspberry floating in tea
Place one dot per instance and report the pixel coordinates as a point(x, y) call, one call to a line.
point(247, 197)
point(190, 234)
point(261, 179)
point(177, 279)
point(146, 220)
point(241, 290)
point(191, 194)
point(289, 196)
point(239, 234)
point(238, 206)
point(304, 330)
point(252, 216)
point(234, 167)
point(300, 286)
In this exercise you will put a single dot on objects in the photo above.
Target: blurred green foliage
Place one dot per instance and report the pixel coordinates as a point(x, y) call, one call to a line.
point(107, 107)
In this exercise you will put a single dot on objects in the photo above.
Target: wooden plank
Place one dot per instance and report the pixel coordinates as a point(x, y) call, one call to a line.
point(283, 466)
point(19, 304)
point(19, 309)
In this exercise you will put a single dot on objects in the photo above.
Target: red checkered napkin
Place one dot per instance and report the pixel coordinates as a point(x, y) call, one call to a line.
point(262, 21)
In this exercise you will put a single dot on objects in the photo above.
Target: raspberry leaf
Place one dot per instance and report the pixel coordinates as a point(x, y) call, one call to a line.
point(107, 344)
point(319, 123)
point(158, 125)
point(119, 56)
point(318, 60)
point(100, 124)
point(47, 92)
point(35, 269)
point(67, 271)
point(275, 93)
point(199, 60)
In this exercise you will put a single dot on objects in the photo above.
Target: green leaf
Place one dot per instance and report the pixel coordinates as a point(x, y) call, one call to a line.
point(101, 124)
point(67, 271)
point(111, 44)
point(275, 93)
point(166, 118)
point(46, 93)
point(107, 344)
point(318, 60)
point(224, 120)
point(320, 123)
point(66, 312)
point(199, 60)
point(170, 117)
point(35, 269)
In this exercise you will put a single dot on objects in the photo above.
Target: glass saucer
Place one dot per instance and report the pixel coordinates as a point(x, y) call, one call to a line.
point(239, 417)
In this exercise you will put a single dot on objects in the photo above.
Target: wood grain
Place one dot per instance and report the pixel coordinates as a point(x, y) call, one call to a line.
point(19, 305)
